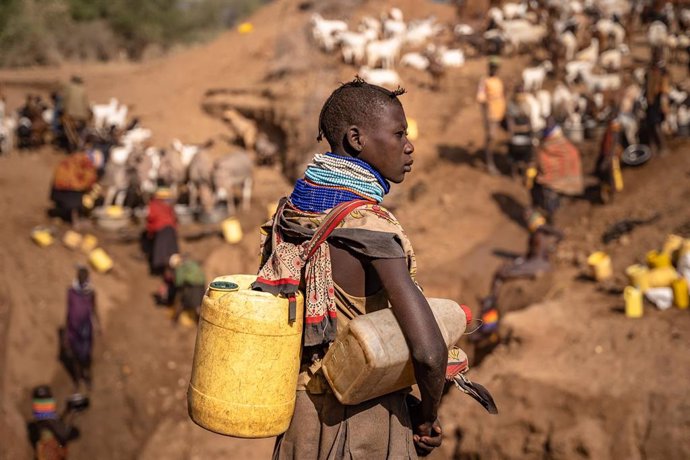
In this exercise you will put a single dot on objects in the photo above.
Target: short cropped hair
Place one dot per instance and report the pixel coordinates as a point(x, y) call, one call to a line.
point(353, 103)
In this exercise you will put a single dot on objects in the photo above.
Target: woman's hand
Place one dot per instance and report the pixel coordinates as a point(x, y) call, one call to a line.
point(427, 437)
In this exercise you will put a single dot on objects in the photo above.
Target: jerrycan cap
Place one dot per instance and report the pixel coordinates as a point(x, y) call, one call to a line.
point(468, 312)
point(228, 286)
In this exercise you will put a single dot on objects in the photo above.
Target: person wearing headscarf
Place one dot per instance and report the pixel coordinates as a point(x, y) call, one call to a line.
point(160, 237)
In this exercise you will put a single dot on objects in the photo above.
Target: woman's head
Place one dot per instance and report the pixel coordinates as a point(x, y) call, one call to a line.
point(368, 122)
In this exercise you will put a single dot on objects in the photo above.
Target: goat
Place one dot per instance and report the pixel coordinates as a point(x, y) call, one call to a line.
point(415, 60)
point(230, 172)
point(451, 58)
point(380, 77)
point(533, 77)
point(383, 51)
point(353, 46)
point(420, 31)
point(323, 31)
point(575, 69)
point(514, 10)
point(569, 42)
point(610, 60)
point(597, 83)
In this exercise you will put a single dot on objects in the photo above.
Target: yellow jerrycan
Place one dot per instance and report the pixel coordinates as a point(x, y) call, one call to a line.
point(633, 302)
point(246, 360)
point(100, 260)
point(680, 293)
point(600, 265)
point(370, 356)
point(232, 231)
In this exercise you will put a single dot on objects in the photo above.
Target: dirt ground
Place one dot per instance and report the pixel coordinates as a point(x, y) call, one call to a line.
point(575, 378)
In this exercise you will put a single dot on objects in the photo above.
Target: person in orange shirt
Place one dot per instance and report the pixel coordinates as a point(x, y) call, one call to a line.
point(491, 97)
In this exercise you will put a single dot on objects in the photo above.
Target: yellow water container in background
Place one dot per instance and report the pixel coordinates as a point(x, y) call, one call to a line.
point(232, 231)
point(638, 276)
point(42, 237)
point(114, 211)
point(672, 244)
point(662, 277)
point(633, 302)
point(656, 259)
point(530, 175)
point(71, 239)
point(680, 293)
point(600, 264)
point(100, 260)
point(617, 175)
point(245, 28)
point(412, 129)
point(246, 360)
point(88, 243)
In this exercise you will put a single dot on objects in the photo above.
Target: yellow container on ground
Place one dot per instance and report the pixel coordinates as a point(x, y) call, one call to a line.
point(71, 239)
point(638, 276)
point(656, 259)
point(88, 243)
point(600, 264)
point(100, 260)
point(246, 360)
point(617, 175)
point(232, 231)
point(672, 244)
point(114, 211)
point(42, 237)
point(662, 277)
point(633, 302)
point(680, 293)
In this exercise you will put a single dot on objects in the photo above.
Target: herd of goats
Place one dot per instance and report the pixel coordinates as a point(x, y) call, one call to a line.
point(587, 43)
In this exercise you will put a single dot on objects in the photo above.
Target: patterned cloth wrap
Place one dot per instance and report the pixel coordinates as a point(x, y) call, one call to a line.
point(369, 230)
point(290, 261)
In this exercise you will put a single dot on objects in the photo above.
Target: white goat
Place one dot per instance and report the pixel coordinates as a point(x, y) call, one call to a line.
point(514, 10)
point(419, 32)
point(383, 51)
point(353, 46)
point(607, 27)
point(611, 60)
point(569, 42)
point(605, 82)
point(451, 58)
point(323, 31)
point(415, 60)
point(394, 29)
point(380, 77)
point(533, 77)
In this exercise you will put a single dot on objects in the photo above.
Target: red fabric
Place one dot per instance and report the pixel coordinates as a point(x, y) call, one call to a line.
point(560, 166)
point(160, 215)
point(76, 173)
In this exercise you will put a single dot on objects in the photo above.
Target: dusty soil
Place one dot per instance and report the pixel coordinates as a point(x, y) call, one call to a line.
point(576, 378)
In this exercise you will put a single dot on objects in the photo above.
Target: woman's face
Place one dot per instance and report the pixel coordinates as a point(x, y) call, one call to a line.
point(385, 145)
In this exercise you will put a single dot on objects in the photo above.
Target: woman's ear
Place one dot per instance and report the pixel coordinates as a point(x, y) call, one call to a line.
point(354, 138)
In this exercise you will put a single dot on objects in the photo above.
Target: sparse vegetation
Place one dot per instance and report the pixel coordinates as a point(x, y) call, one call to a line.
point(50, 31)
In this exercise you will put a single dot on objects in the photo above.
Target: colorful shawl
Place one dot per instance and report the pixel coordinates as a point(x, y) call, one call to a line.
point(368, 230)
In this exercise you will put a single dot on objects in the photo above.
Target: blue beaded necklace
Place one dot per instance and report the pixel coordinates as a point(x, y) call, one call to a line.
point(333, 179)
